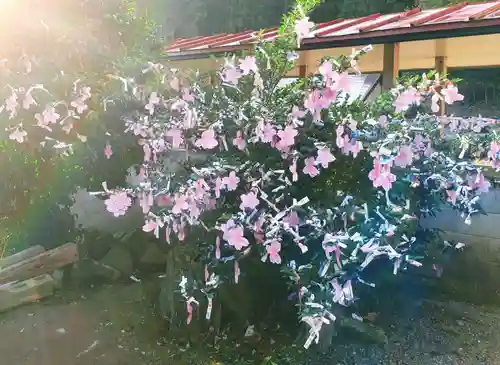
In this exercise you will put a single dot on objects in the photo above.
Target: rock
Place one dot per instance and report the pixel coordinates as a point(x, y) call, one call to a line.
point(87, 269)
point(119, 259)
point(58, 275)
point(370, 332)
point(153, 255)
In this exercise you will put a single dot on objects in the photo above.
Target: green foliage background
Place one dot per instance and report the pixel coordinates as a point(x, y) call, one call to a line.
point(66, 41)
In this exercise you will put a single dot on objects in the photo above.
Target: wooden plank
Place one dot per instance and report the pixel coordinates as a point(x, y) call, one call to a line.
point(391, 66)
point(40, 264)
point(20, 256)
point(27, 291)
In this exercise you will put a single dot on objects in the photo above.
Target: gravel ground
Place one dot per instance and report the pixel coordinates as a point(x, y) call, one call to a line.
point(436, 333)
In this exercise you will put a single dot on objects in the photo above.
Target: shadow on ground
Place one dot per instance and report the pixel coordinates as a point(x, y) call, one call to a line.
point(113, 325)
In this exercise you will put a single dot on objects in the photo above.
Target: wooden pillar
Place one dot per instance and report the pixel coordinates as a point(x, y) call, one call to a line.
point(303, 62)
point(302, 71)
point(390, 66)
point(440, 66)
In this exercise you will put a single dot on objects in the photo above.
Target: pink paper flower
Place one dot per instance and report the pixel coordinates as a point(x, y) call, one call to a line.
point(287, 136)
point(479, 182)
point(187, 96)
point(309, 168)
point(405, 99)
point(207, 140)
point(418, 141)
point(11, 105)
point(18, 135)
point(176, 135)
point(315, 103)
point(326, 70)
point(180, 204)
point(79, 105)
point(303, 28)
point(85, 92)
point(355, 147)
point(118, 203)
point(273, 250)
point(201, 187)
point(381, 175)
point(428, 150)
point(451, 94)
point(452, 196)
point(324, 157)
point(239, 142)
point(28, 101)
point(404, 157)
point(235, 238)
point(50, 115)
point(248, 64)
point(163, 201)
point(340, 81)
point(231, 75)
point(108, 152)
point(194, 210)
point(149, 226)
point(40, 122)
point(231, 181)
point(493, 154)
point(292, 219)
point(297, 113)
point(249, 201)
point(265, 132)
point(153, 100)
point(175, 83)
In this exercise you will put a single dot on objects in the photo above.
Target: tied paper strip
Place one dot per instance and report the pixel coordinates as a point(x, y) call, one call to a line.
point(217, 248)
point(206, 274)
point(167, 234)
point(189, 308)
point(209, 308)
point(236, 272)
point(315, 324)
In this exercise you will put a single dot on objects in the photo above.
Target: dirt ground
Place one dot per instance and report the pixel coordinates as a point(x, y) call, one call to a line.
point(100, 330)
point(114, 326)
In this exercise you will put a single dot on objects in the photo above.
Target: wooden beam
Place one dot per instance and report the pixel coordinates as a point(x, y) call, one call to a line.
point(303, 63)
point(302, 71)
point(390, 66)
point(20, 256)
point(43, 263)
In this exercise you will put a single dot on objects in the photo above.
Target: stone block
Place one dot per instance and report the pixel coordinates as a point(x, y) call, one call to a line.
point(119, 258)
point(153, 255)
point(87, 269)
point(15, 294)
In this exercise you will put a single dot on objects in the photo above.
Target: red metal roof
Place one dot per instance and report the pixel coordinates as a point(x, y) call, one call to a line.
point(459, 16)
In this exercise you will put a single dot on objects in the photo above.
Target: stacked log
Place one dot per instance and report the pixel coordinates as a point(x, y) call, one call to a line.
point(26, 277)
